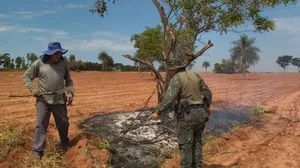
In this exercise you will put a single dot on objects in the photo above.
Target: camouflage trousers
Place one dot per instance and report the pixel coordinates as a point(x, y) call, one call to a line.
point(190, 128)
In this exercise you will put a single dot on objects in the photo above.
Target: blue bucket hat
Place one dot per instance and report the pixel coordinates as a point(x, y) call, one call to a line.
point(53, 47)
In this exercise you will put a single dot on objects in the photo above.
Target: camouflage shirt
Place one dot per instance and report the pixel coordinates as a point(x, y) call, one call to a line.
point(174, 90)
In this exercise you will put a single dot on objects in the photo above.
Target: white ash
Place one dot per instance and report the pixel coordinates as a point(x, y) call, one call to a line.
point(137, 147)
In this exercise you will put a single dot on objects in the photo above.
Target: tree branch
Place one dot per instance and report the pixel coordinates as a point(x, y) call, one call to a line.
point(149, 64)
point(164, 19)
point(192, 56)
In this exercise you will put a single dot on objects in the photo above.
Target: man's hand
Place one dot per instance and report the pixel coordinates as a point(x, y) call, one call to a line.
point(69, 98)
point(155, 116)
point(36, 93)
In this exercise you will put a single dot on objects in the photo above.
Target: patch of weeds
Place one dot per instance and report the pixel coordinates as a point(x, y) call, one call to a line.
point(10, 137)
point(54, 157)
point(166, 154)
point(76, 122)
point(257, 111)
point(103, 145)
point(206, 156)
point(235, 125)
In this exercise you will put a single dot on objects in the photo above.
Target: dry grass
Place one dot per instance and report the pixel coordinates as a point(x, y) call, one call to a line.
point(10, 137)
point(53, 158)
point(165, 155)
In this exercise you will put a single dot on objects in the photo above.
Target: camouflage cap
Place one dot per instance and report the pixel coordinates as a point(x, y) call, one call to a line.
point(174, 64)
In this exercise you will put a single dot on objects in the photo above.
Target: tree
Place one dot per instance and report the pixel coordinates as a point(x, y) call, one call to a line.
point(23, 63)
point(11, 65)
point(18, 62)
point(149, 44)
point(205, 64)
point(72, 58)
point(296, 62)
point(4, 59)
point(196, 18)
point(119, 66)
point(245, 53)
point(190, 66)
point(31, 57)
point(107, 61)
point(284, 61)
point(227, 66)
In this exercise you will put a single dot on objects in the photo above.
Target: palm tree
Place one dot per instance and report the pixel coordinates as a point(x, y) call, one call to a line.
point(4, 58)
point(105, 59)
point(205, 64)
point(245, 53)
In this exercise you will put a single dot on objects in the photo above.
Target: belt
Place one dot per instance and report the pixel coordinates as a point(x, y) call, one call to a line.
point(196, 105)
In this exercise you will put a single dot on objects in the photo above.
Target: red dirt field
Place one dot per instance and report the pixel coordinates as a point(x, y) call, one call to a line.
point(272, 141)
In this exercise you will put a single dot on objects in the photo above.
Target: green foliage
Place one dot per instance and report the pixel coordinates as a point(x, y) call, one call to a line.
point(226, 66)
point(149, 44)
point(107, 61)
point(72, 58)
point(284, 61)
point(24, 66)
point(191, 65)
point(31, 57)
point(18, 62)
point(204, 16)
point(296, 62)
point(5, 60)
point(244, 53)
point(205, 64)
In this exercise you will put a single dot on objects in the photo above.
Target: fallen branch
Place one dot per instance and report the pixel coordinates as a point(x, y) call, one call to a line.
point(147, 101)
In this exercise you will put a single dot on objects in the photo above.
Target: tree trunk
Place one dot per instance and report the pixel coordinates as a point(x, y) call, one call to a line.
point(298, 68)
point(284, 69)
point(205, 69)
point(240, 67)
point(244, 69)
point(102, 66)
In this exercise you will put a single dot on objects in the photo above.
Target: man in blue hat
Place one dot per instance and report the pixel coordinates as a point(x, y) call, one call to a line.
point(53, 74)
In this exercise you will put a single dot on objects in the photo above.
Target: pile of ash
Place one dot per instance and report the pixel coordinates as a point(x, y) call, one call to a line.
point(137, 143)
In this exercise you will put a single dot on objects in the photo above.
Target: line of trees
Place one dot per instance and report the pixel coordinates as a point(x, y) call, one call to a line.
point(7, 63)
point(22, 63)
point(285, 60)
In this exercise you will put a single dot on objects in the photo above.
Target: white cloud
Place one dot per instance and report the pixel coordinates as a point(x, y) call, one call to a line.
point(101, 40)
point(289, 25)
point(26, 15)
point(4, 16)
point(75, 6)
point(54, 34)
point(111, 35)
point(97, 41)
point(99, 44)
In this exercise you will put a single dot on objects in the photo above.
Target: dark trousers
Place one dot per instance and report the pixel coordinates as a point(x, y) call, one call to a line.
point(43, 111)
point(190, 128)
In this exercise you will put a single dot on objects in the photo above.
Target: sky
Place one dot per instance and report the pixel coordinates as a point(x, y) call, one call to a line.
point(28, 26)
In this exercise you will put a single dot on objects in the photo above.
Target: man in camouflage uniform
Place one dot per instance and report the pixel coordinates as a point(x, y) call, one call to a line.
point(187, 85)
point(53, 75)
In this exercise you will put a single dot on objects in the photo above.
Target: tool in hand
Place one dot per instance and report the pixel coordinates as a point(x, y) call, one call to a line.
point(61, 91)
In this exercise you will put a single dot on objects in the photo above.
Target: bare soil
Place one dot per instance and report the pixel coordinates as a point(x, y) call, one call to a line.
point(271, 141)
